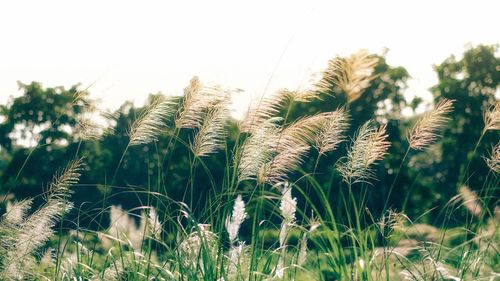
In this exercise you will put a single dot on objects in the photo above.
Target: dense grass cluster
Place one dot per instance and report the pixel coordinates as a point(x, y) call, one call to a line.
point(165, 240)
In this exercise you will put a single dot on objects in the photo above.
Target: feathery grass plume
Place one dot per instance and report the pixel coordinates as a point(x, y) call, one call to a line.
point(123, 228)
point(199, 243)
point(93, 122)
point(277, 169)
point(288, 207)
point(492, 118)
point(258, 149)
point(470, 201)
point(369, 146)
point(494, 161)
point(234, 222)
point(331, 134)
point(36, 229)
point(197, 99)
point(16, 213)
point(426, 130)
point(212, 134)
point(94, 125)
point(154, 225)
point(313, 225)
point(262, 110)
point(291, 145)
point(238, 261)
point(352, 74)
point(148, 125)
point(304, 131)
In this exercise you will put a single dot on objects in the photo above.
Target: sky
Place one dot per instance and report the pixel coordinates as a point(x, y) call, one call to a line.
point(125, 50)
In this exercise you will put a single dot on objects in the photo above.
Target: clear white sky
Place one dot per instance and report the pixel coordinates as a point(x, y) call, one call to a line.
point(132, 48)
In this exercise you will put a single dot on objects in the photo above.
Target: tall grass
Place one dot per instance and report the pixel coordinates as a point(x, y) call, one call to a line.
point(166, 240)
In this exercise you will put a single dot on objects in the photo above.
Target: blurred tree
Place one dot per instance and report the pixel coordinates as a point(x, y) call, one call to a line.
point(472, 82)
point(37, 124)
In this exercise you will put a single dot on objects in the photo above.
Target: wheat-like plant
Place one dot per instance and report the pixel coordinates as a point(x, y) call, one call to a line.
point(149, 124)
point(331, 133)
point(258, 149)
point(262, 110)
point(494, 161)
point(352, 74)
point(302, 255)
point(492, 118)
point(470, 200)
point(288, 207)
point(30, 233)
point(16, 213)
point(233, 223)
point(293, 143)
point(426, 130)
point(91, 125)
point(154, 224)
point(286, 161)
point(197, 99)
point(212, 134)
point(369, 146)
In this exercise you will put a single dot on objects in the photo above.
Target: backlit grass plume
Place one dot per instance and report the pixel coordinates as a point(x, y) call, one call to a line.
point(258, 149)
point(369, 146)
point(212, 134)
point(492, 118)
point(331, 134)
point(262, 110)
point(233, 223)
point(494, 161)
point(28, 234)
point(148, 126)
point(197, 99)
point(288, 207)
point(352, 74)
point(293, 143)
point(426, 130)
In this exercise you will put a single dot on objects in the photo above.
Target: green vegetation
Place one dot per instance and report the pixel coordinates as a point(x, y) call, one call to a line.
point(330, 183)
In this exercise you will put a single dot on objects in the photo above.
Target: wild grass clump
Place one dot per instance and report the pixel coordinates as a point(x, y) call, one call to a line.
point(258, 221)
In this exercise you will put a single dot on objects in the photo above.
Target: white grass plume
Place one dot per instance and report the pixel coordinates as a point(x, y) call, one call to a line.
point(197, 99)
point(237, 253)
point(494, 161)
point(288, 207)
point(277, 169)
point(331, 134)
point(16, 213)
point(94, 126)
point(124, 229)
point(470, 201)
point(212, 134)
point(149, 124)
point(426, 130)
point(352, 74)
point(302, 255)
point(262, 110)
point(369, 146)
point(93, 122)
point(292, 145)
point(258, 149)
point(154, 223)
point(234, 222)
point(492, 118)
point(35, 230)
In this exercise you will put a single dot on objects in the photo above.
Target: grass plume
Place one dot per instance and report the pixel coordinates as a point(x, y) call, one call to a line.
point(426, 130)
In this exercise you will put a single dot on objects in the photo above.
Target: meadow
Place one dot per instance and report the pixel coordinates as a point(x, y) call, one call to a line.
point(324, 183)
